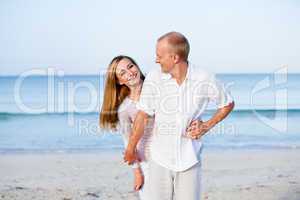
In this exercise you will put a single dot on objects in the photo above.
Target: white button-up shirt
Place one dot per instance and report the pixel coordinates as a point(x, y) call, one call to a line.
point(174, 107)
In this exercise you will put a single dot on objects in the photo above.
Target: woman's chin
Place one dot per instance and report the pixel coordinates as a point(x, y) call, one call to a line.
point(133, 83)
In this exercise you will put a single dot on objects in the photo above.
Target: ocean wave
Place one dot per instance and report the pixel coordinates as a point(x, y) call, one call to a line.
point(96, 113)
point(121, 147)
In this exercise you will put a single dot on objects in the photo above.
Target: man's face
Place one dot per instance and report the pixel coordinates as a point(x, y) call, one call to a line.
point(164, 56)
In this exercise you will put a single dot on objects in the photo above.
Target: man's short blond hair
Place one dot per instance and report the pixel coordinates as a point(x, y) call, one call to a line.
point(178, 42)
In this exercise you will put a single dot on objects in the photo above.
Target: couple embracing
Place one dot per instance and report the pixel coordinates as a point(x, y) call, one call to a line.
point(159, 117)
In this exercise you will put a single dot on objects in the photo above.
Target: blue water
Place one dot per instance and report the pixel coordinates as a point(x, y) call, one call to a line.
point(36, 118)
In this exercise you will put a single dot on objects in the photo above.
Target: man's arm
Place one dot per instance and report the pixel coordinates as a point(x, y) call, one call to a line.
point(137, 132)
point(198, 128)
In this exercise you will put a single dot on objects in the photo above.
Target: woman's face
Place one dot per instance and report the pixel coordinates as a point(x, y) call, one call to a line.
point(128, 73)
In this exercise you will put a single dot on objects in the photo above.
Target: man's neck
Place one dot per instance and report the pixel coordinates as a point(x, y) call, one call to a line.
point(179, 72)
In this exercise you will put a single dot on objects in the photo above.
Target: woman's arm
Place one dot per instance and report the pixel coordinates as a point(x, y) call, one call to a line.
point(137, 132)
point(125, 124)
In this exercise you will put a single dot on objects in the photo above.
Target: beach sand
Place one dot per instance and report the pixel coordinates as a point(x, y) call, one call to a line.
point(227, 174)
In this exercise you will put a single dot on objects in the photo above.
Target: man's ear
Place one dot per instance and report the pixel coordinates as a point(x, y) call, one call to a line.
point(176, 58)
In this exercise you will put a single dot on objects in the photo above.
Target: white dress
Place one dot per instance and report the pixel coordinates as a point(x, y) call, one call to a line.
point(126, 113)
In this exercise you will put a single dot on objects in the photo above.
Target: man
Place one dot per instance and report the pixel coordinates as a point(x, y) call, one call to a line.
point(176, 95)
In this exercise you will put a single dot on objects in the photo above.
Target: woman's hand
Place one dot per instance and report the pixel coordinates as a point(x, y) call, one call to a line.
point(197, 129)
point(130, 156)
point(138, 179)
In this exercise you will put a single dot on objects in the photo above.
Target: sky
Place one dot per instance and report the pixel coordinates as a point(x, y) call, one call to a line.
point(82, 36)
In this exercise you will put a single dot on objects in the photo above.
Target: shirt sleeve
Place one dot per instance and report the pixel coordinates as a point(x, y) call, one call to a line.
point(149, 94)
point(125, 124)
point(218, 93)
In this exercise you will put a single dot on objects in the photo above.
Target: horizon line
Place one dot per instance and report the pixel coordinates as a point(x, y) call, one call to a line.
point(93, 74)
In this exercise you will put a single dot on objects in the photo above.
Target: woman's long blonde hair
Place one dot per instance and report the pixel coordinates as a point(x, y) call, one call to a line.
point(114, 94)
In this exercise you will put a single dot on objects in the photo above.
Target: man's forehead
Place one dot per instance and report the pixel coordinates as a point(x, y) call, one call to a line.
point(163, 44)
point(164, 47)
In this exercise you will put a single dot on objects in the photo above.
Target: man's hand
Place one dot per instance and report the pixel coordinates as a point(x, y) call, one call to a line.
point(130, 156)
point(197, 128)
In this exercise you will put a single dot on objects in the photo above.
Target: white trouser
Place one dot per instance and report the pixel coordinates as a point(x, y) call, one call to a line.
point(166, 184)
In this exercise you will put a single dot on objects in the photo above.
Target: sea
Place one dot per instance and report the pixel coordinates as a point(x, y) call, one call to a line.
point(60, 113)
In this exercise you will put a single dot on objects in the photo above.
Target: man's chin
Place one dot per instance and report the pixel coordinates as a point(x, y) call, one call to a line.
point(164, 70)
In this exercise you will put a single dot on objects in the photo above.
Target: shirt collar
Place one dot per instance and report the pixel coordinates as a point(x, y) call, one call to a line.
point(166, 76)
point(191, 72)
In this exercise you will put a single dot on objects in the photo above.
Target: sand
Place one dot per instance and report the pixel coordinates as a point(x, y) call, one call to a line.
point(227, 174)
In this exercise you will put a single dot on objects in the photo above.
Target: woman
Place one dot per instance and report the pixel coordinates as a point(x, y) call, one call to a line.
point(124, 81)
